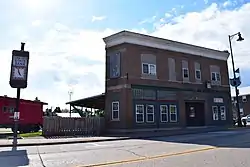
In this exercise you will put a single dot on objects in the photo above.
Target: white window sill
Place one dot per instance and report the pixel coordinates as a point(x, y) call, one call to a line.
point(115, 120)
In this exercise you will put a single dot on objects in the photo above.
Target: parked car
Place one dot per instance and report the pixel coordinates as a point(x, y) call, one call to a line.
point(246, 118)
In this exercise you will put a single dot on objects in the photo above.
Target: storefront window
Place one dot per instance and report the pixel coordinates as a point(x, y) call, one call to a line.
point(139, 113)
point(150, 113)
point(173, 113)
point(215, 113)
point(164, 113)
point(222, 112)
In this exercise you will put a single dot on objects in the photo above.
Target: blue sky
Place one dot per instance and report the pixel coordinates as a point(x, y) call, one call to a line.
point(65, 37)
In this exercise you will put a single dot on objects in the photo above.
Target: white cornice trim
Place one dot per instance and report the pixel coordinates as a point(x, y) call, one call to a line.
point(159, 43)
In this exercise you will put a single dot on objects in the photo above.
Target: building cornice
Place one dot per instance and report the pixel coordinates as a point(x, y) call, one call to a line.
point(160, 43)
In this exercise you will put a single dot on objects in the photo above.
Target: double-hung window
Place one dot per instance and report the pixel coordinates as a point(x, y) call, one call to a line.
point(164, 113)
point(150, 114)
point(115, 110)
point(197, 74)
point(139, 113)
point(215, 113)
point(223, 113)
point(148, 68)
point(215, 76)
point(185, 73)
point(173, 113)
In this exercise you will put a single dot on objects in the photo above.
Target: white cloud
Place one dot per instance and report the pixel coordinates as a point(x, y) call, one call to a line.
point(206, 1)
point(36, 23)
point(168, 15)
point(230, 3)
point(63, 58)
point(67, 57)
point(227, 3)
point(210, 28)
point(148, 20)
point(242, 91)
point(98, 18)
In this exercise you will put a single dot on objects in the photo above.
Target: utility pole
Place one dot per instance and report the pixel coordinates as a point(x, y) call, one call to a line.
point(235, 82)
point(70, 92)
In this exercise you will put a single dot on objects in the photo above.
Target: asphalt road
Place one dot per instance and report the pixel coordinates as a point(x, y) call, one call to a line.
point(217, 149)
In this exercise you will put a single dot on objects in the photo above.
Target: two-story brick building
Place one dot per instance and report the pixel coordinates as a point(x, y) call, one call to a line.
point(244, 101)
point(158, 83)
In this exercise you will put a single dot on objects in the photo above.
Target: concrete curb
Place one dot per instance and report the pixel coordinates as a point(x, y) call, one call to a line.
point(62, 142)
point(123, 138)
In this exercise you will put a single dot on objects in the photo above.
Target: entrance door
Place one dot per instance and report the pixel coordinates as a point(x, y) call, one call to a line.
point(195, 114)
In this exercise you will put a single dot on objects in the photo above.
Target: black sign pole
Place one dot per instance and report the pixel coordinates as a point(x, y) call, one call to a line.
point(16, 114)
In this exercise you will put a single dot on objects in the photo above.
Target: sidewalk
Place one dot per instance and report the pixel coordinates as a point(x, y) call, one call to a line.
point(44, 141)
point(138, 135)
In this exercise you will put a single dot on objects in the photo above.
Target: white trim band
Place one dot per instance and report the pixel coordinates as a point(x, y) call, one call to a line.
point(159, 43)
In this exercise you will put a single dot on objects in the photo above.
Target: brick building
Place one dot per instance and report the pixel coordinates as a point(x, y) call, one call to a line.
point(244, 101)
point(158, 83)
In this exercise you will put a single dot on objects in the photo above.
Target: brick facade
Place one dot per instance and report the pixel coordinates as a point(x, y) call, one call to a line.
point(142, 81)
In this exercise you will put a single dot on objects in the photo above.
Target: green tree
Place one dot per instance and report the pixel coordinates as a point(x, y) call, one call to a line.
point(57, 110)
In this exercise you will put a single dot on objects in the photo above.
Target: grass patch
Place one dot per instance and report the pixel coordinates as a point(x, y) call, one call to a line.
point(32, 134)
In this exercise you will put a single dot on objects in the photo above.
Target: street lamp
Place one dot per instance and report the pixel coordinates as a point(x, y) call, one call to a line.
point(70, 92)
point(236, 82)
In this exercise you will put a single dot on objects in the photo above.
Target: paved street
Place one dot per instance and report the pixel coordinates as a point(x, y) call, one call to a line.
point(228, 148)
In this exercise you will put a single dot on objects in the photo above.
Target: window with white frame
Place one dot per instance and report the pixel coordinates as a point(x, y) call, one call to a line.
point(115, 110)
point(139, 113)
point(164, 113)
point(223, 113)
point(173, 113)
point(215, 76)
point(148, 68)
point(215, 113)
point(150, 113)
point(198, 74)
point(185, 73)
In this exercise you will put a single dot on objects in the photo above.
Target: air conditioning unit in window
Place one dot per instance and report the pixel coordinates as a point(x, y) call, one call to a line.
point(208, 84)
point(244, 99)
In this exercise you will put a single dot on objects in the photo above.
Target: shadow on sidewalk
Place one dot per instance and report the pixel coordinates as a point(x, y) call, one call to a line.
point(218, 137)
point(13, 158)
point(226, 138)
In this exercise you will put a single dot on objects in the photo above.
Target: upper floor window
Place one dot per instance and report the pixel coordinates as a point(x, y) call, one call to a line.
point(185, 73)
point(197, 67)
point(215, 76)
point(171, 69)
point(198, 74)
point(148, 68)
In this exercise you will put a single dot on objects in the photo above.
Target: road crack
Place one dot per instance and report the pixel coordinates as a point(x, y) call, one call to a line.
point(132, 152)
point(40, 157)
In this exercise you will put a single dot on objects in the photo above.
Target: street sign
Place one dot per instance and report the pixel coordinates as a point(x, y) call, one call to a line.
point(16, 115)
point(235, 82)
point(19, 69)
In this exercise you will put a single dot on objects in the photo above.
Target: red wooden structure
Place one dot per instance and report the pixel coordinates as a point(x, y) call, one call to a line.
point(31, 114)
